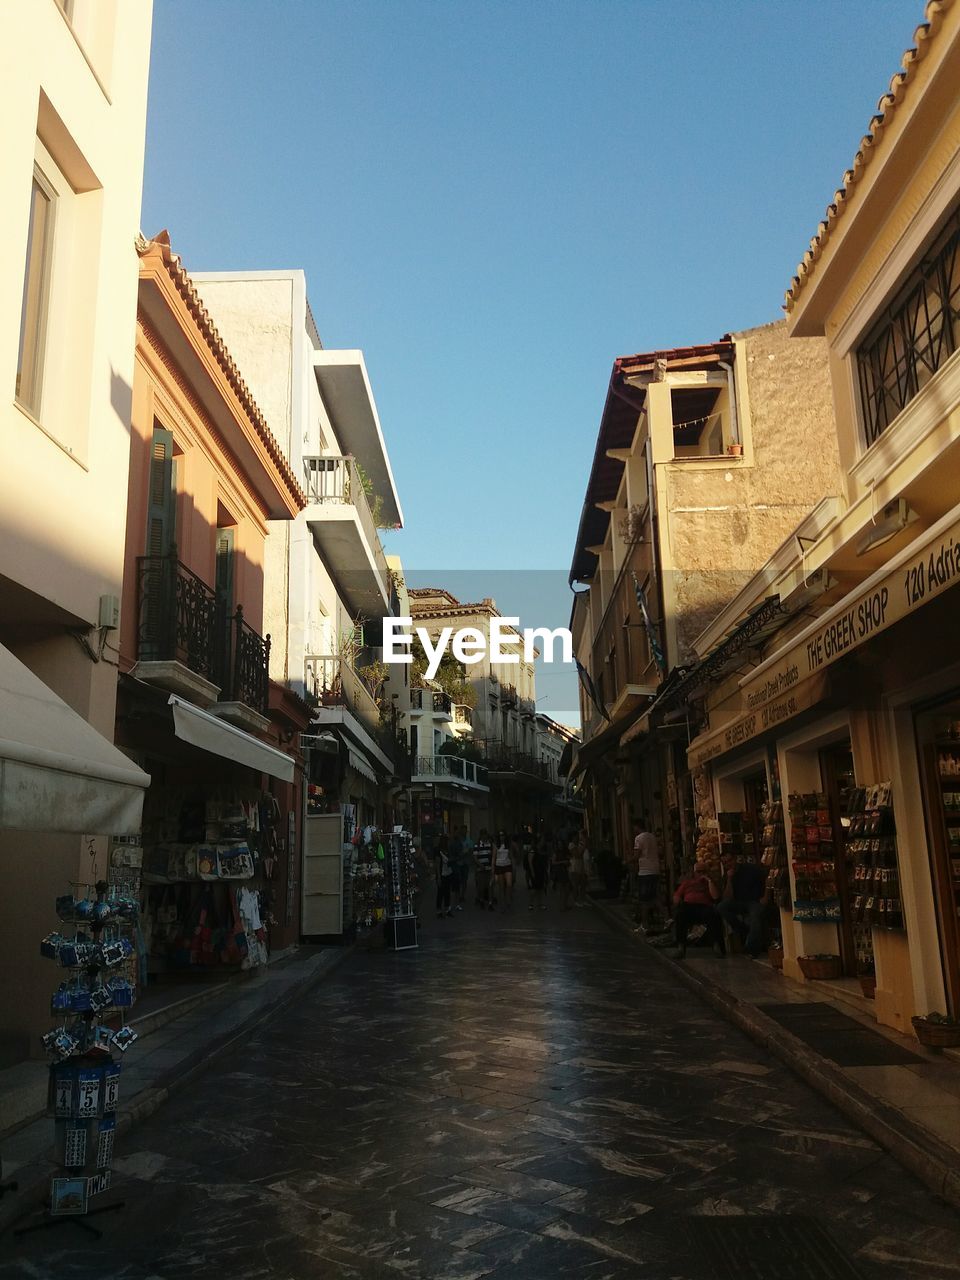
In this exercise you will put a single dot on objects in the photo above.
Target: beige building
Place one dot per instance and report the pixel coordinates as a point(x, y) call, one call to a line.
point(862, 687)
point(74, 105)
point(706, 458)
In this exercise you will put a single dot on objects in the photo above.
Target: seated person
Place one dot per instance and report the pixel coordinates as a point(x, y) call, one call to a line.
point(743, 901)
point(694, 902)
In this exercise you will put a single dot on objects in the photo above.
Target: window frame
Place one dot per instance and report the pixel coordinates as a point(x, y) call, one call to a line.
point(33, 404)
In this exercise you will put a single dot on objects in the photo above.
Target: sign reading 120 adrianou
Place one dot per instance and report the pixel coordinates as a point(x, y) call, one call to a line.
point(884, 599)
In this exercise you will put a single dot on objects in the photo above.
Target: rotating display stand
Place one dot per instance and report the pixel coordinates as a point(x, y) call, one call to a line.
point(402, 889)
point(92, 945)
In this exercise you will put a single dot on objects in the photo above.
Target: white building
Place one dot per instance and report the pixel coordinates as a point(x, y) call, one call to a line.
point(327, 583)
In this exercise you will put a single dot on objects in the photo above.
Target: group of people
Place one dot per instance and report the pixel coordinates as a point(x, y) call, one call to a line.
point(560, 860)
point(734, 900)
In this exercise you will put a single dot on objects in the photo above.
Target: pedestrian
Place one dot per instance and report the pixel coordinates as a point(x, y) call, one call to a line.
point(694, 903)
point(483, 876)
point(503, 869)
point(461, 869)
point(541, 869)
point(579, 858)
point(561, 870)
point(646, 853)
point(445, 876)
point(743, 901)
point(526, 850)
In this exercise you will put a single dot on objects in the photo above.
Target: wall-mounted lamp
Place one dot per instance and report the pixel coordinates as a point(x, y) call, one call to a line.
point(893, 519)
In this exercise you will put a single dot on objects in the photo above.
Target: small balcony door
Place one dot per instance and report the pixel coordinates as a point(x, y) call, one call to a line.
point(158, 588)
point(224, 582)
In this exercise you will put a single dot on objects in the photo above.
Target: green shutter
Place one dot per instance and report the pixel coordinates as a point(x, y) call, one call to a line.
point(162, 497)
point(225, 568)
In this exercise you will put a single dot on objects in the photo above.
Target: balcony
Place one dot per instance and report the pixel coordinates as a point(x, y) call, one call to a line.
point(504, 760)
point(434, 700)
point(333, 682)
point(528, 707)
point(508, 695)
point(345, 532)
point(188, 643)
point(462, 716)
point(451, 768)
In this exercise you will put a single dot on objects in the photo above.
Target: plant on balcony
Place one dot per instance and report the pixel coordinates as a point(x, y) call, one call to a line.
point(374, 500)
point(463, 748)
point(374, 675)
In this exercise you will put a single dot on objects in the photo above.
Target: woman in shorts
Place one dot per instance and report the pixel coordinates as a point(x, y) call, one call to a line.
point(503, 869)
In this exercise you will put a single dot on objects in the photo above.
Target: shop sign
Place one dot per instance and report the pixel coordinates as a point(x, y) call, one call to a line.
point(886, 599)
point(745, 727)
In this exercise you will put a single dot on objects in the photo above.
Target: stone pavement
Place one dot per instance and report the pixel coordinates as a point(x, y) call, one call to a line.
point(904, 1095)
point(528, 1095)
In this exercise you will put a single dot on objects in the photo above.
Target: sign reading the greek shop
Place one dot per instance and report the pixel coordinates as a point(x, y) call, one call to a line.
point(926, 574)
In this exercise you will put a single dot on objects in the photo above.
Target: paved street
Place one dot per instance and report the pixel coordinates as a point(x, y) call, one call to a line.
point(529, 1095)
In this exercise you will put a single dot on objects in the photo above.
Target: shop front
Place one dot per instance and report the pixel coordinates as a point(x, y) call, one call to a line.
point(862, 750)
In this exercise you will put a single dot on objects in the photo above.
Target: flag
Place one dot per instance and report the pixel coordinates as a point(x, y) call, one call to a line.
point(587, 681)
point(652, 638)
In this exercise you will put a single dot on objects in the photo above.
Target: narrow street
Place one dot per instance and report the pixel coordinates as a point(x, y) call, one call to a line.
point(528, 1095)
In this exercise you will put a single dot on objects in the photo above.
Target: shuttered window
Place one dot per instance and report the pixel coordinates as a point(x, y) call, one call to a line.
point(162, 498)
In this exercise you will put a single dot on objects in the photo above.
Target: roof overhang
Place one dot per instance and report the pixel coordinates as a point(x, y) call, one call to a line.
point(345, 387)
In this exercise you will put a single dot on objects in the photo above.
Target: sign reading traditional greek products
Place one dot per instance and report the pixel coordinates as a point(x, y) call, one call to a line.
point(925, 574)
point(740, 730)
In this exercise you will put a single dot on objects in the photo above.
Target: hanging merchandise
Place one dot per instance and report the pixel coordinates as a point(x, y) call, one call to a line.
point(774, 854)
point(401, 891)
point(873, 874)
point(814, 852)
point(94, 941)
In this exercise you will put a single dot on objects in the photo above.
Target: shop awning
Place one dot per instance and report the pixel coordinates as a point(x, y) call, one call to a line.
point(212, 734)
point(356, 761)
point(56, 772)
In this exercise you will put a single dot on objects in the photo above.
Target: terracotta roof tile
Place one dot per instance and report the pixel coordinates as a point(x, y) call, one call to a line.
point(188, 291)
point(925, 33)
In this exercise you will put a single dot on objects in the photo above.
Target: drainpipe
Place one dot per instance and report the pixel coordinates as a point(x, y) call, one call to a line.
point(732, 394)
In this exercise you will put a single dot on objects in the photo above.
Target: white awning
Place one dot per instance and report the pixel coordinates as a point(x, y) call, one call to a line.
point(220, 738)
point(57, 773)
point(356, 761)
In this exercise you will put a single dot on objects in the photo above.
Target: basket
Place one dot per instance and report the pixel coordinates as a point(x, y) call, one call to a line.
point(937, 1035)
point(868, 985)
point(775, 956)
point(820, 968)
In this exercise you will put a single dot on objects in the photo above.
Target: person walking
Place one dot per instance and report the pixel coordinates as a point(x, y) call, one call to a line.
point(526, 850)
point(483, 876)
point(503, 869)
point(561, 869)
point(646, 853)
point(743, 901)
point(445, 877)
point(541, 870)
point(579, 859)
point(460, 868)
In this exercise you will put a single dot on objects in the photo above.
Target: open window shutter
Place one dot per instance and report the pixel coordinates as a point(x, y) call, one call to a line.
point(225, 568)
point(161, 501)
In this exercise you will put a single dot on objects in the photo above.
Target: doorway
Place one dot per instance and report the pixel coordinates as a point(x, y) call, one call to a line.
point(938, 741)
point(839, 784)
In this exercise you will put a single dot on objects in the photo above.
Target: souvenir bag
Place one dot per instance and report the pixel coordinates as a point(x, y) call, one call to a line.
point(236, 947)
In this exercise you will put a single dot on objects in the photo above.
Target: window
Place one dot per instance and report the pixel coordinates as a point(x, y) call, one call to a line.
point(162, 497)
point(36, 293)
point(915, 336)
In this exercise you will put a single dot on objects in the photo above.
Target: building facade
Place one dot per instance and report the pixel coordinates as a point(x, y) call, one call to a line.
point(71, 171)
point(851, 706)
point(706, 459)
point(207, 481)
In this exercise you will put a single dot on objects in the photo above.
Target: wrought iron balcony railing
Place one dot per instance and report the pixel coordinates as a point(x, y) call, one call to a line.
point(450, 766)
point(179, 619)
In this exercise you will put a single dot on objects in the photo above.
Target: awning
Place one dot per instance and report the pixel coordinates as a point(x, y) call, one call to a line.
point(356, 761)
point(212, 734)
point(56, 772)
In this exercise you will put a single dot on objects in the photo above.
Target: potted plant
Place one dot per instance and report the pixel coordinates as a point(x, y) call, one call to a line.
point(735, 450)
point(937, 1031)
point(820, 968)
point(867, 977)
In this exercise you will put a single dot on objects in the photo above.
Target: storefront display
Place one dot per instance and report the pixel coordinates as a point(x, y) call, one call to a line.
point(93, 941)
point(210, 866)
point(774, 855)
point(873, 874)
point(402, 889)
point(814, 857)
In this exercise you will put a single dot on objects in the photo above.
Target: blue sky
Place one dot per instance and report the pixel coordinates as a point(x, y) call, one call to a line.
point(494, 200)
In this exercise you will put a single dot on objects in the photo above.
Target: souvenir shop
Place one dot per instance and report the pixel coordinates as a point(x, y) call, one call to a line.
point(862, 762)
point(217, 859)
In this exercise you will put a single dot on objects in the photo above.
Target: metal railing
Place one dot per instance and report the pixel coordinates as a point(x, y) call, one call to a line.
point(431, 700)
point(335, 479)
point(332, 681)
point(508, 695)
point(179, 619)
point(502, 758)
point(455, 767)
